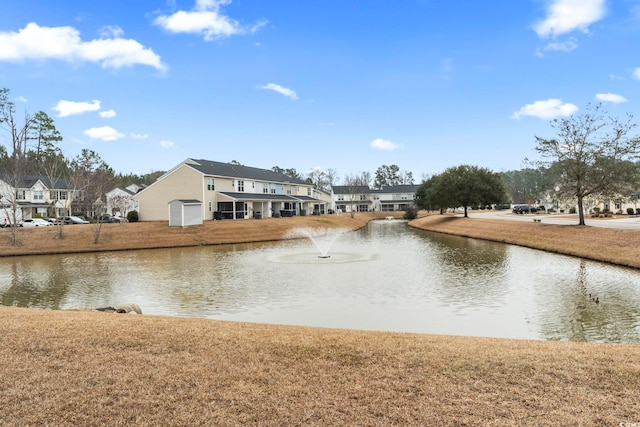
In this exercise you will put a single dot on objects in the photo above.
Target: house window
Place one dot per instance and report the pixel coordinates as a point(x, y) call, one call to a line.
point(210, 206)
point(341, 197)
point(308, 191)
point(211, 184)
point(404, 197)
point(57, 195)
point(265, 188)
point(363, 197)
point(38, 195)
point(21, 194)
point(273, 189)
point(289, 190)
point(376, 197)
point(241, 186)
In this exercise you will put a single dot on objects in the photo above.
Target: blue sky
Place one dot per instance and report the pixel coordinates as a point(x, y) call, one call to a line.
point(347, 85)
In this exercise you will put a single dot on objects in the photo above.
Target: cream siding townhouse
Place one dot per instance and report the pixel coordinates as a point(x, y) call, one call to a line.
point(228, 191)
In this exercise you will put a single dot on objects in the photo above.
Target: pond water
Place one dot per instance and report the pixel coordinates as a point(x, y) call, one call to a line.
point(386, 277)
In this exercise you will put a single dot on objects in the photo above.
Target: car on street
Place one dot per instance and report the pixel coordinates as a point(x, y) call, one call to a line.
point(74, 220)
point(523, 209)
point(35, 222)
point(111, 219)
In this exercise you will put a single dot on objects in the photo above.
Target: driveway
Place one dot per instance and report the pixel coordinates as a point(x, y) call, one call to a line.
point(622, 222)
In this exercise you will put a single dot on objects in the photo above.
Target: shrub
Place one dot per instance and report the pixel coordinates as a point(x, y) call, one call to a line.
point(541, 208)
point(596, 209)
point(132, 216)
point(629, 211)
point(572, 210)
point(410, 214)
point(637, 211)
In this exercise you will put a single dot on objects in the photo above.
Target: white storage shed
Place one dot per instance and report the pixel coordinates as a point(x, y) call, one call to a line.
point(185, 212)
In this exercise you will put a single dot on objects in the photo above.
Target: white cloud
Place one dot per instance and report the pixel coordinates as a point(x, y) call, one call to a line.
point(207, 20)
point(139, 136)
point(636, 73)
point(610, 97)
point(281, 90)
point(566, 46)
point(166, 144)
point(22, 99)
point(104, 133)
point(111, 31)
point(107, 114)
point(34, 42)
point(71, 108)
point(565, 16)
point(548, 109)
point(381, 144)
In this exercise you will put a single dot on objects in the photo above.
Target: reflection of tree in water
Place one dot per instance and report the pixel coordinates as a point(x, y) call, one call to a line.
point(48, 282)
point(569, 310)
point(477, 267)
point(36, 286)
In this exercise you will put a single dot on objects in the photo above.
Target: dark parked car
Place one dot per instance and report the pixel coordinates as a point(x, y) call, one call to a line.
point(74, 220)
point(111, 219)
point(523, 209)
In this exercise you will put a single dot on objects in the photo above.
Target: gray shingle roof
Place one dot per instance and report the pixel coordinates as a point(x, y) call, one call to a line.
point(29, 180)
point(228, 170)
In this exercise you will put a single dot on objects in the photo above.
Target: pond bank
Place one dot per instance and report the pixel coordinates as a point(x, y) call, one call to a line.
point(614, 246)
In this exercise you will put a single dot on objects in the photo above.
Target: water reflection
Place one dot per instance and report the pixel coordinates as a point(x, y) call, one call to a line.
point(384, 277)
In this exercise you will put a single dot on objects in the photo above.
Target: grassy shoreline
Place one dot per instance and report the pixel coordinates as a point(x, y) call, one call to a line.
point(90, 368)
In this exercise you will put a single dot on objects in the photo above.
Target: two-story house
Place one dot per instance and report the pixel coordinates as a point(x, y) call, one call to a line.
point(120, 200)
point(37, 196)
point(228, 191)
point(348, 198)
point(361, 198)
point(394, 198)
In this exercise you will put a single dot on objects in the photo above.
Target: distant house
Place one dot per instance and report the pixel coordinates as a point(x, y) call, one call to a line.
point(394, 198)
point(38, 196)
point(361, 198)
point(229, 191)
point(120, 200)
point(347, 198)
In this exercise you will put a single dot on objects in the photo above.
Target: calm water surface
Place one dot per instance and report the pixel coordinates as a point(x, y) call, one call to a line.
point(385, 277)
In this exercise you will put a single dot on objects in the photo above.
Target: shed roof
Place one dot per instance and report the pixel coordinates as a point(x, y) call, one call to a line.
point(187, 201)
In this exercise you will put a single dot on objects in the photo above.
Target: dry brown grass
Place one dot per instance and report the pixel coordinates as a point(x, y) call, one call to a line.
point(89, 368)
point(150, 235)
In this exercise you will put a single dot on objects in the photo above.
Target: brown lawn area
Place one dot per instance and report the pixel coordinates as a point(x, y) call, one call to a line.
point(88, 368)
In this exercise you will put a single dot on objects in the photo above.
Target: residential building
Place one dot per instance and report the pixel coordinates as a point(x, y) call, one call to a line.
point(361, 198)
point(394, 198)
point(119, 201)
point(229, 191)
point(38, 196)
point(348, 198)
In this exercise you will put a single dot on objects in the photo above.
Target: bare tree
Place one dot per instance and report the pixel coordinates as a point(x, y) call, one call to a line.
point(358, 185)
point(592, 155)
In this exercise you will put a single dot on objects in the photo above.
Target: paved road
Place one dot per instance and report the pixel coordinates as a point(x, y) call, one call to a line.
point(624, 222)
